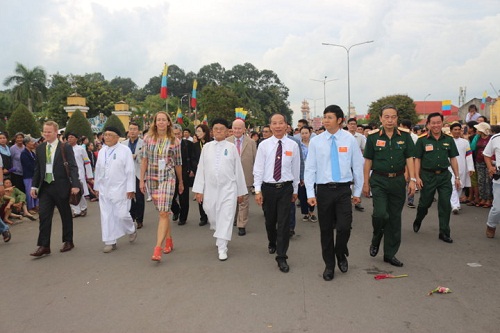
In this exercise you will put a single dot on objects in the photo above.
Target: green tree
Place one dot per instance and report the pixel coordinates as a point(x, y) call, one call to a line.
point(22, 120)
point(403, 103)
point(58, 92)
point(29, 85)
point(153, 86)
point(212, 74)
point(218, 102)
point(6, 105)
point(114, 121)
point(125, 85)
point(100, 96)
point(79, 125)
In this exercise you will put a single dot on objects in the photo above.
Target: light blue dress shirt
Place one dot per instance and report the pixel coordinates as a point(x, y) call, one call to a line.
point(318, 169)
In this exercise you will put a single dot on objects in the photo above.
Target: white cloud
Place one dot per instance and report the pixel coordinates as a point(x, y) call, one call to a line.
point(420, 47)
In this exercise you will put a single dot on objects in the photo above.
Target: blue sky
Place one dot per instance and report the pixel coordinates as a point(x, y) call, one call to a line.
point(420, 47)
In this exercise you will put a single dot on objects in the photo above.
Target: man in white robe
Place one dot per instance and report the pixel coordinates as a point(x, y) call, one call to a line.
point(219, 184)
point(84, 173)
point(115, 187)
point(465, 166)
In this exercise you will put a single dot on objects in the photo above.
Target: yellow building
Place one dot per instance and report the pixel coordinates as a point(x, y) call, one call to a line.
point(76, 102)
point(123, 113)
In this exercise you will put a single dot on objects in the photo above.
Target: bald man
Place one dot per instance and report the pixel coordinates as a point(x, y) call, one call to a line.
point(247, 149)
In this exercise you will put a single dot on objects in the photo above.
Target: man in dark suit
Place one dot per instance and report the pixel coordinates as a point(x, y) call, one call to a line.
point(52, 185)
point(181, 209)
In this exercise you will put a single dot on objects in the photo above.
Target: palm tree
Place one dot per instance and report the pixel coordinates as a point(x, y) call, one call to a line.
point(30, 84)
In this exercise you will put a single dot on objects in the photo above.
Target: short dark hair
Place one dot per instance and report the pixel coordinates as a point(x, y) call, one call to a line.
point(307, 128)
point(452, 126)
point(187, 129)
point(304, 121)
point(471, 123)
point(485, 119)
point(266, 126)
point(389, 106)
point(434, 114)
point(368, 127)
point(406, 123)
point(335, 109)
point(472, 106)
point(133, 123)
point(352, 119)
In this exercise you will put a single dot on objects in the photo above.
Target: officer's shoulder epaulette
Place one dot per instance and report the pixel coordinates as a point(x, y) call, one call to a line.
point(422, 135)
point(374, 131)
point(402, 129)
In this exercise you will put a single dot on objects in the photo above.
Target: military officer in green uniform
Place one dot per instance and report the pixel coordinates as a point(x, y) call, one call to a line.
point(389, 151)
point(434, 153)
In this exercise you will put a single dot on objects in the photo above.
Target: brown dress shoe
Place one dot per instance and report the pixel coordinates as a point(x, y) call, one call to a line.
point(42, 250)
point(490, 232)
point(67, 246)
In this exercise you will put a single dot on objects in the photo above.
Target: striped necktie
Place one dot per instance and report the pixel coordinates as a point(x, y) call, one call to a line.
point(277, 162)
point(48, 176)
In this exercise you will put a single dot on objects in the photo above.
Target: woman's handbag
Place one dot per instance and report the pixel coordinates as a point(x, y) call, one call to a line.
point(74, 199)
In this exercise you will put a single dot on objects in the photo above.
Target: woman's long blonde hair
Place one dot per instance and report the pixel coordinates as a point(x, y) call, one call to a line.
point(153, 130)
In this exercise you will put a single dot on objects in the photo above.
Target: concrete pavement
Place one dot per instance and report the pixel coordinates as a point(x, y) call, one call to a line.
point(86, 290)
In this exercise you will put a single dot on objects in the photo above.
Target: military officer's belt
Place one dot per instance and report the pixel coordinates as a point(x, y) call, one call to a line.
point(335, 185)
point(389, 174)
point(436, 171)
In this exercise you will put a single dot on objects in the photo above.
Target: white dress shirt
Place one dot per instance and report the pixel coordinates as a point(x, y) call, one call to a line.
point(263, 169)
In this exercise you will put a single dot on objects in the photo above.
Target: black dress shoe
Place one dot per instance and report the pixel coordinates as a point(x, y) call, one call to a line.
point(445, 238)
point(139, 225)
point(373, 250)
point(292, 233)
point(328, 274)
point(343, 264)
point(175, 217)
point(271, 249)
point(202, 223)
point(393, 261)
point(416, 226)
point(242, 232)
point(67, 246)
point(283, 266)
point(42, 250)
point(181, 222)
point(359, 208)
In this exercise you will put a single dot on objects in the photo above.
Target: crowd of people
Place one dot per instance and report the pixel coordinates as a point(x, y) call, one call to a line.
point(323, 171)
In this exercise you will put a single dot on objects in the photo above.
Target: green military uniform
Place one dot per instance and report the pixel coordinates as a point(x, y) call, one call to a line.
point(434, 158)
point(388, 184)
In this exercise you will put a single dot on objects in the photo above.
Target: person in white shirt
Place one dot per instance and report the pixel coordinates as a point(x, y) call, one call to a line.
point(115, 187)
point(84, 173)
point(491, 150)
point(276, 179)
point(220, 184)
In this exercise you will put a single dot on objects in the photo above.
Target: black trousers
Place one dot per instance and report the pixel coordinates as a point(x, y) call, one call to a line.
point(181, 208)
point(334, 212)
point(277, 214)
point(53, 196)
point(137, 207)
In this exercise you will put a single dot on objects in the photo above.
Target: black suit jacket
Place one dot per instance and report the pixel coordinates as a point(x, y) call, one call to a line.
point(61, 180)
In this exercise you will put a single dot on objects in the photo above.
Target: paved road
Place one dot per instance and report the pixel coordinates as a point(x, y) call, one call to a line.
point(86, 290)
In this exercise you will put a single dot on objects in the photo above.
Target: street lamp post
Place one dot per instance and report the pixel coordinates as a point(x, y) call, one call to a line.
point(348, 71)
point(314, 101)
point(325, 81)
point(425, 104)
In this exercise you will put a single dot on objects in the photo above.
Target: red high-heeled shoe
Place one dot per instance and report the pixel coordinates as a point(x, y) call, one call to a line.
point(156, 254)
point(169, 246)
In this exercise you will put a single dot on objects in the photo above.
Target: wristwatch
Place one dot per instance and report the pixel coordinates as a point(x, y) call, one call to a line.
point(457, 178)
point(413, 179)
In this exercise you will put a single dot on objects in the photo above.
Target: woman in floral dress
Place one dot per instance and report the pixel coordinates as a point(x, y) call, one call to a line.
point(161, 161)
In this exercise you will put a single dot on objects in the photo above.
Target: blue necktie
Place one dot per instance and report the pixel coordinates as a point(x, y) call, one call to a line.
point(334, 156)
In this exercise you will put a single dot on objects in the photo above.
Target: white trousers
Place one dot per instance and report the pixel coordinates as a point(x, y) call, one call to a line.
point(115, 219)
point(455, 195)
